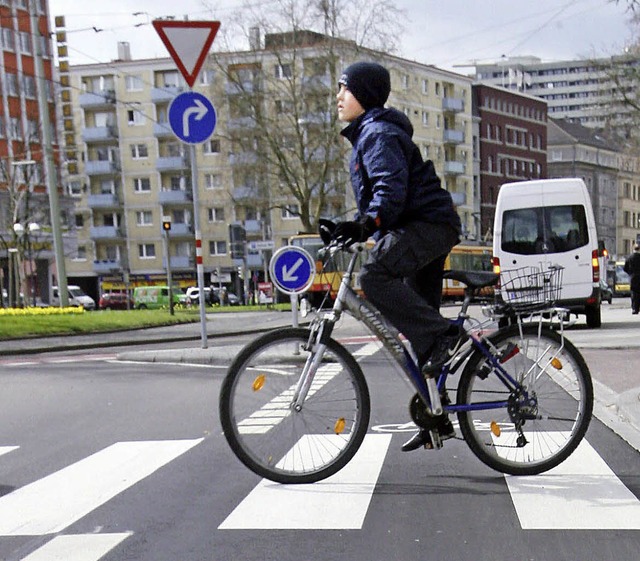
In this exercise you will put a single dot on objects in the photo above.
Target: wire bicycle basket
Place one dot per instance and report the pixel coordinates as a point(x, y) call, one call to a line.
point(530, 289)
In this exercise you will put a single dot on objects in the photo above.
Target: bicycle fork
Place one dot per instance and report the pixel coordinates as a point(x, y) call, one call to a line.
point(316, 346)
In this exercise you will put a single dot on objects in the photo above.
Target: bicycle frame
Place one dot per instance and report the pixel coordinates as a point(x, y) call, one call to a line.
point(429, 389)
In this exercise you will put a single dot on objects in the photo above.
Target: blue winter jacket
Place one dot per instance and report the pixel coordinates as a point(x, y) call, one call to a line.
point(391, 182)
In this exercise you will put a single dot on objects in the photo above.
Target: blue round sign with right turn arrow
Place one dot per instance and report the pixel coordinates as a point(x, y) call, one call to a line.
point(192, 117)
point(292, 269)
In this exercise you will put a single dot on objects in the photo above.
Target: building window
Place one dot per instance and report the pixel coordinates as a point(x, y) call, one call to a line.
point(147, 251)
point(12, 83)
point(139, 151)
point(213, 180)
point(216, 214)
point(425, 86)
point(133, 83)
point(141, 184)
point(405, 81)
point(290, 212)
point(144, 218)
point(81, 254)
point(8, 41)
point(74, 188)
point(217, 247)
point(79, 221)
point(211, 146)
point(135, 117)
point(425, 118)
point(282, 71)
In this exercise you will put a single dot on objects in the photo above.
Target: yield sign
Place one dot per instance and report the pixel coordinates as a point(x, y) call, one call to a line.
point(188, 43)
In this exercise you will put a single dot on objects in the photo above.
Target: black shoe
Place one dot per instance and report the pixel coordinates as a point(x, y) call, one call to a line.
point(441, 351)
point(423, 438)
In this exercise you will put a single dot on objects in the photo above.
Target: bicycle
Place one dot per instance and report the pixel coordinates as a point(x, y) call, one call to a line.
point(294, 405)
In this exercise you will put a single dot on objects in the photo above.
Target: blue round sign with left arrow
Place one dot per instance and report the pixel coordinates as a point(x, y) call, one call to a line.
point(292, 269)
point(192, 117)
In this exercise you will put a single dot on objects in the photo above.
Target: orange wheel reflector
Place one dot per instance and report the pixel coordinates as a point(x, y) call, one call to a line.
point(338, 428)
point(555, 362)
point(259, 382)
point(495, 429)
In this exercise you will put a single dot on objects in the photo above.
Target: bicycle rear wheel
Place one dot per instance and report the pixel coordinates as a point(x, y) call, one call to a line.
point(556, 378)
point(270, 437)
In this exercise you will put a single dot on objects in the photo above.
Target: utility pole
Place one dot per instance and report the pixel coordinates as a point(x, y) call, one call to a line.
point(47, 149)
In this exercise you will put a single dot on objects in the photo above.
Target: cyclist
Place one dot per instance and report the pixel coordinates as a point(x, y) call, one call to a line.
point(412, 218)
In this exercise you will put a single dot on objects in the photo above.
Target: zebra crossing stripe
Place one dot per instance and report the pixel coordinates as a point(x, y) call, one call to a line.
point(7, 449)
point(78, 547)
point(582, 493)
point(337, 503)
point(54, 502)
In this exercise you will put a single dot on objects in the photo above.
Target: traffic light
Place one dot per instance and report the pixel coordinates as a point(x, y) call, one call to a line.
point(166, 223)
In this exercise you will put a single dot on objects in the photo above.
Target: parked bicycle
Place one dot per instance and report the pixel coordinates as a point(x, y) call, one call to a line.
point(294, 405)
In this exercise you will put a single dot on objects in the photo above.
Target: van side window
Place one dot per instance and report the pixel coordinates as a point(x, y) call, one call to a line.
point(554, 229)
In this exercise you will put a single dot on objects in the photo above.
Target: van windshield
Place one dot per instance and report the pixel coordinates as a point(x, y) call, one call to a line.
point(76, 292)
point(551, 229)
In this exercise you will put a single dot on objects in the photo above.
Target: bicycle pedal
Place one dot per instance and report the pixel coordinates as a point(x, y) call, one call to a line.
point(436, 441)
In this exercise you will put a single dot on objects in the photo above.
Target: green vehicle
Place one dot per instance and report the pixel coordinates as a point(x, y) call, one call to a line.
point(155, 297)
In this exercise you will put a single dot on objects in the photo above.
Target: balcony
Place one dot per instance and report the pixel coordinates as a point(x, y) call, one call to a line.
point(95, 100)
point(253, 227)
point(99, 134)
point(162, 130)
point(179, 262)
point(318, 82)
point(106, 266)
point(181, 230)
point(459, 199)
point(171, 163)
point(241, 123)
point(246, 87)
point(453, 136)
point(106, 200)
point(177, 197)
point(243, 159)
point(105, 233)
point(254, 260)
point(453, 167)
point(454, 104)
point(166, 94)
point(101, 167)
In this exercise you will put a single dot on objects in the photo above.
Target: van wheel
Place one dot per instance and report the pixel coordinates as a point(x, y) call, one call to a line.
point(594, 316)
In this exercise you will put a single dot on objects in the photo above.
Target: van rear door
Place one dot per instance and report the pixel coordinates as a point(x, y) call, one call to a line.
point(550, 226)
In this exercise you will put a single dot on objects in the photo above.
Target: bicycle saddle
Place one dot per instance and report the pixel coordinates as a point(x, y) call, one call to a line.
point(473, 279)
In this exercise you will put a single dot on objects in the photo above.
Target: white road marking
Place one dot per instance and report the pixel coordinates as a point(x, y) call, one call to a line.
point(337, 503)
point(7, 449)
point(80, 547)
point(54, 502)
point(582, 493)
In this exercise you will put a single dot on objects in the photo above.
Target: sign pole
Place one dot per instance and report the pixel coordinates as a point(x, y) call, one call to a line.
point(198, 233)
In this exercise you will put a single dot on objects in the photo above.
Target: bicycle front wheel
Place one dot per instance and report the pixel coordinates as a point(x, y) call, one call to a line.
point(540, 427)
point(276, 440)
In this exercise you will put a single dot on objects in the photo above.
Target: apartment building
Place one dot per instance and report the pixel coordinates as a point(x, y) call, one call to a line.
point(574, 90)
point(512, 143)
point(132, 171)
point(27, 265)
point(611, 174)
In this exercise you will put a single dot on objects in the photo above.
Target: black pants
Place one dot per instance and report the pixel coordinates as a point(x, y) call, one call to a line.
point(403, 279)
point(635, 301)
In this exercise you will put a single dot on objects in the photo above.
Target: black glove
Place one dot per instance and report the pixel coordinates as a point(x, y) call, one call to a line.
point(352, 232)
point(326, 228)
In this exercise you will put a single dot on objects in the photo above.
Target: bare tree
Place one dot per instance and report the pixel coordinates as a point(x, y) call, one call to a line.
point(282, 123)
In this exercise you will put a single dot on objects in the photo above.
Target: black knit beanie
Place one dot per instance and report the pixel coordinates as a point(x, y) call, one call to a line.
point(369, 82)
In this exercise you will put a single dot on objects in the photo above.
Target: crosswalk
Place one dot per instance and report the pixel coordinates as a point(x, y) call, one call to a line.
point(582, 493)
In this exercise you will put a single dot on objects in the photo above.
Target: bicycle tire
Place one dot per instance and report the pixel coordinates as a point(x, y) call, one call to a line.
point(277, 442)
point(564, 393)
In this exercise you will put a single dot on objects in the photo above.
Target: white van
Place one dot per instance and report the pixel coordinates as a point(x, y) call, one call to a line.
point(551, 222)
point(77, 297)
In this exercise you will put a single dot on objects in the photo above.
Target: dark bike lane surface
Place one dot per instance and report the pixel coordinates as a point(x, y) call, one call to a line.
point(612, 357)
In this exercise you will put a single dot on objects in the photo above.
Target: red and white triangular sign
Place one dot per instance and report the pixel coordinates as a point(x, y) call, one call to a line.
point(188, 43)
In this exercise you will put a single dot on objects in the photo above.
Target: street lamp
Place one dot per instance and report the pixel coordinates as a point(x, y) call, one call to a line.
point(13, 299)
point(33, 228)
